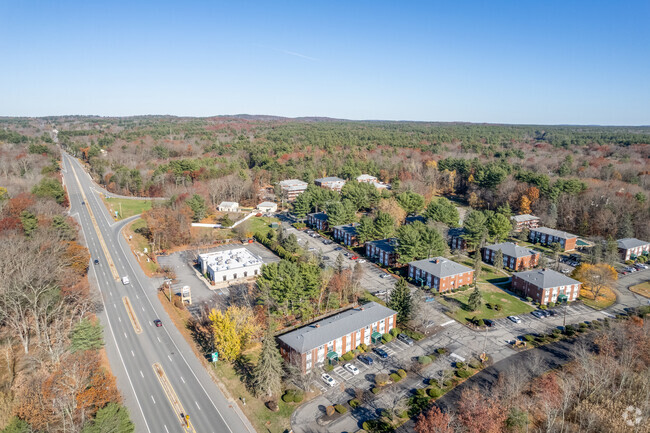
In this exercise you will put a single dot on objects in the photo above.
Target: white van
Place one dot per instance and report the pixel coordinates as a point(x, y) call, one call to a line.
point(125, 280)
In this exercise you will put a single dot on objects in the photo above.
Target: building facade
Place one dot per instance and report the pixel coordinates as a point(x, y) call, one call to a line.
point(383, 251)
point(366, 178)
point(292, 188)
point(546, 236)
point(346, 234)
point(456, 240)
point(267, 207)
point(525, 221)
point(440, 274)
point(318, 221)
point(545, 285)
point(631, 248)
point(332, 337)
point(333, 183)
point(228, 265)
point(514, 257)
point(228, 206)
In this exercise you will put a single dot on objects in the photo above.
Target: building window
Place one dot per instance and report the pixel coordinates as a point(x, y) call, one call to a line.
point(224, 278)
point(245, 273)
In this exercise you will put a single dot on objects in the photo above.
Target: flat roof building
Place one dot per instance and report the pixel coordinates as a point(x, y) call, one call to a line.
point(366, 178)
point(292, 188)
point(267, 206)
point(229, 265)
point(228, 206)
point(333, 183)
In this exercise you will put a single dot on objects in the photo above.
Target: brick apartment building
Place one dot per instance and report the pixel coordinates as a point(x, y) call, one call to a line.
point(440, 273)
point(292, 188)
point(383, 251)
point(545, 285)
point(546, 236)
point(456, 240)
point(318, 221)
point(631, 248)
point(347, 234)
point(333, 183)
point(330, 338)
point(514, 257)
point(525, 221)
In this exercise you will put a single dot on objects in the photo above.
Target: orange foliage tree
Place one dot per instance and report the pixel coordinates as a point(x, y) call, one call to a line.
point(434, 421)
point(480, 415)
point(595, 278)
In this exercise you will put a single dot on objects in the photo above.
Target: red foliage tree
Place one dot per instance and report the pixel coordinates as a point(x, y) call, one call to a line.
point(434, 421)
point(479, 414)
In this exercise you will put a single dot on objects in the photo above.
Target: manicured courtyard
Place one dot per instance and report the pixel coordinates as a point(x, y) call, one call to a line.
point(492, 295)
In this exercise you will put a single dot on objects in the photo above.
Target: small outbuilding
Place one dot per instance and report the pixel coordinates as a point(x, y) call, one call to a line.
point(267, 207)
point(228, 206)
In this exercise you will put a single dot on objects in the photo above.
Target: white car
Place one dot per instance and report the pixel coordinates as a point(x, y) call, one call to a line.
point(352, 368)
point(362, 261)
point(385, 276)
point(514, 319)
point(125, 280)
point(328, 379)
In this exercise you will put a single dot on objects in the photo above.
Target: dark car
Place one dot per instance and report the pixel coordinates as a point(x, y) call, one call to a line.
point(96, 262)
point(381, 352)
point(83, 202)
point(406, 339)
point(488, 322)
point(551, 312)
point(538, 313)
point(158, 323)
point(366, 359)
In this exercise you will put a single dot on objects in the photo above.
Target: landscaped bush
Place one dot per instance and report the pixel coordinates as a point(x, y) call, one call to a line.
point(417, 336)
point(381, 379)
point(556, 331)
point(403, 414)
point(272, 406)
point(394, 332)
point(421, 392)
point(386, 338)
point(475, 364)
point(480, 322)
point(329, 410)
point(328, 367)
point(529, 337)
point(582, 325)
point(395, 377)
point(425, 360)
point(375, 390)
point(340, 408)
point(551, 304)
point(288, 395)
point(460, 364)
point(354, 403)
point(542, 307)
point(362, 347)
point(498, 307)
point(347, 356)
point(434, 392)
point(489, 305)
point(402, 373)
point(463, 373)
point(568, 330)
point(441, 351)
point(298, 397)
point(529, 299)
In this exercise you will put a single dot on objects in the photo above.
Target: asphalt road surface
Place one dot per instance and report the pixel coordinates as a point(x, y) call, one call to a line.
point(132, 352)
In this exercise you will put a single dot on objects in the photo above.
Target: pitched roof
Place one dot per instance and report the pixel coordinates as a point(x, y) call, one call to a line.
point(319, 216)
point(545, 278)
point(387, 245)
point(440, 267)
point(524, 217)
point(511, 249)
point(267, 204)
point(329, 179)
point(322, 332)
point(628, 243)
point(365, 177)
point(348, 228)
point(557, 233)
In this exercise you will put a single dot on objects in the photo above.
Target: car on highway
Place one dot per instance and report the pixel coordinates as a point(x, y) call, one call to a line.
point(366, 359)
point(514, 319)
point(380, 352)
point(158, 323)
point(538, 314)
point(328, 379)
point(83, 202)
point(96, 261)
point(352, 368)
point(405, 339)
point(125, 280)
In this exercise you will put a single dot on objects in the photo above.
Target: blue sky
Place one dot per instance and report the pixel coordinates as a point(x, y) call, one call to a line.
point(547, 62)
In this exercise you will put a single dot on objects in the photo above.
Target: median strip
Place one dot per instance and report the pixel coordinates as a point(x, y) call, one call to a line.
point(132, 316)
point(173, 398)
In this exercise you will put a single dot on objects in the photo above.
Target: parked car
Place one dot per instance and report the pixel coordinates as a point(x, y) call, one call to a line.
point(366, 359)
point(362, 261)
point(514, 319)
point(338, 249)
point(328, 379)
point(405, 339)
point(488, 322)
point(566, 271)
point(385, 276)
point(536, 313)
point(640, 266)
point(354, 257)
point(380, 293)
point(158, 323)
point(551, 312)
point(381, 352)
point(352, 368)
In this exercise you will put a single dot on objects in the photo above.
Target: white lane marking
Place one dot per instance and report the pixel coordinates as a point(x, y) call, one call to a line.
point(447, 323)
point(119, 319)
point(170, 358)
point(159, 340)
point(154, 401)
point(166, 428)
point(142, 308)
point(197, 405)
point(182, 379)
point(132, 354)
point(141, 373)
point(125, 336)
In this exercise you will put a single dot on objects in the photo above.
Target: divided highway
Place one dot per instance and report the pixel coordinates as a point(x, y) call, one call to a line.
point(158, 374)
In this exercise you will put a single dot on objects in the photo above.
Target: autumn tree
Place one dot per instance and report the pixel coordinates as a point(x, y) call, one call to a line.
point(480, 415)
point(226, 340)
point(595, 278)
point(434, 421)
point(524, 205)
point(392, 207)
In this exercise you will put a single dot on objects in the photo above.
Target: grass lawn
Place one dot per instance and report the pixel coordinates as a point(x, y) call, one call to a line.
point(491, 294)
point(606, 298)
point(261, 224)
point(126, 207)
point(642, 289)
point(138, 243)
point(488, 273)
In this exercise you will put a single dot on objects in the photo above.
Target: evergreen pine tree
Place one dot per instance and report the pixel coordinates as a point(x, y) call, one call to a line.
point(267, 374)
point(400, 301)
point(475, 299)
point(498, 260)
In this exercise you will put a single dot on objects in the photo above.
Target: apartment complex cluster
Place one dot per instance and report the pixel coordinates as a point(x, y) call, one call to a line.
point(292, 188)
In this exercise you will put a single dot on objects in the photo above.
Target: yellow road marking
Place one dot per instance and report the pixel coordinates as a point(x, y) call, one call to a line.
point(132, 316)
point(109, 259)
point(172, 397)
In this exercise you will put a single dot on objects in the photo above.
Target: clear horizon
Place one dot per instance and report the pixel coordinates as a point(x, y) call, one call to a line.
point(583, 63)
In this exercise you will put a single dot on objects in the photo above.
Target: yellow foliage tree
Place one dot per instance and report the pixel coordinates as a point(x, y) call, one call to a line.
point(595, 278)
point(226, 340)
point(246, 326)
point(432, 163)
point(392, 208)
point(524, 204)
